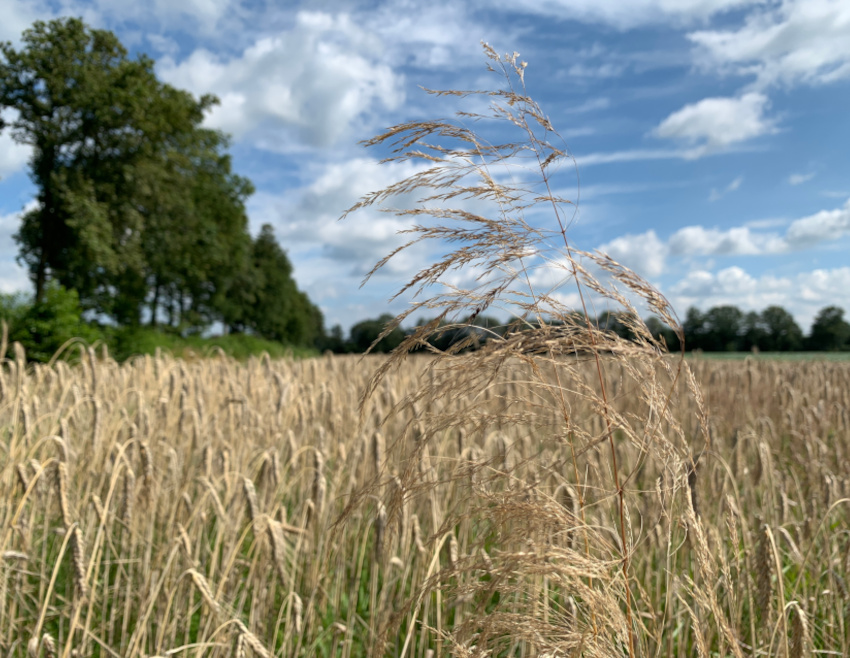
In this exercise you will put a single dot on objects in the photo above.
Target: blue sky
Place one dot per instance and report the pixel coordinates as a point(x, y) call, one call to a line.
point(712, 136)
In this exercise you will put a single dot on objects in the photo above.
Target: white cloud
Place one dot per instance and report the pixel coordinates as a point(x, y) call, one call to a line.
point(768, 222)
point(822, 226)
point(13, 156)
point(731, 187)
point(627, 14)
point(739, 240)
point(331, 256)
point(19, 15)
point(797, 179)
point(13, 277)
point(789, 42)
point(716, 123)
point(309, 85)
point(647, 254)
point(803, 294)
point(596, 71)
point(636, 155)
point(431, 35)
point(644, 253)
point(591, 105)
point(205, 16)
point(735, 184)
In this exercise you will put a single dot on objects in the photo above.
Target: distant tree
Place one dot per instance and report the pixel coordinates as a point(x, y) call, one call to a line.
point(613, 321)
point(695, 329)
point(781, 331)
point(753, 332)
point(724, 329)
point(334, 341)
point(365, 333)
point(264, 299)
point(661, 331)
point(830, 332)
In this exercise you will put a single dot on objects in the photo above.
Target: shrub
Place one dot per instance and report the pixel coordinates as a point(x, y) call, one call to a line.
point(42, 328)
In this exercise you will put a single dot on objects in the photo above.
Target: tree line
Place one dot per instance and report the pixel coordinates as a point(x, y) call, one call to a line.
point(138, 210)
point(728, 328)
point(720, 329)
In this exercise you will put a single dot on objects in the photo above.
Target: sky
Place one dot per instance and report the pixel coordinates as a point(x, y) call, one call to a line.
point(711, 137)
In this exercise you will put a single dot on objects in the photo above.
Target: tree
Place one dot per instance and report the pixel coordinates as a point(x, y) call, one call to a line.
point(45, 326)
point(754, 333)
point(830, 332)
point(138, 207)
point(724, 329)
point(782, 333)
point(196, 240)
point(365, 333)
point(694, 328)
point(660, 331)
point(103, 131)
point(263, 297)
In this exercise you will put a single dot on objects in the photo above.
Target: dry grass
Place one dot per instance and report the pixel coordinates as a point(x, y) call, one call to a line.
point(490, 547)
point(557, 492)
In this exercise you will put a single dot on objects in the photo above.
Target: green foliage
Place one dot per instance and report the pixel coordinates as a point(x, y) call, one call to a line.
point(43, 327)
point(830, 332)
point(264, 299)
point(365, 333)
point(781, 332)
point(138, 208)
point(93, 117)
point(197, 238)
point(661, 331)
point(127, 342)
point(728, 329)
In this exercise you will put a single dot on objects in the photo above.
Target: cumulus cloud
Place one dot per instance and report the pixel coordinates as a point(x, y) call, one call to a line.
point(790, 42)
point(644, 253)
point(204, 16)
point(309, 85)
point(822, 226)
point(803, 294)
point(430, 35)
point(717, 123)
point(331, 257)
point(13, 277)
point(648, 255)
point(739, 240)
point(19, 15)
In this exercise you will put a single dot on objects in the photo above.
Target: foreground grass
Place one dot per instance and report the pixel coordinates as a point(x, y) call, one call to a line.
point(171, 507)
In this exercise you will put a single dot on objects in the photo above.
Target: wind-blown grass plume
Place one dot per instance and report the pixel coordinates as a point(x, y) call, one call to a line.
point(494, 210)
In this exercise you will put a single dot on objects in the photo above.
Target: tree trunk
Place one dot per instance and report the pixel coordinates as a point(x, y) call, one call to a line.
point(155, 304)
point(40, 278)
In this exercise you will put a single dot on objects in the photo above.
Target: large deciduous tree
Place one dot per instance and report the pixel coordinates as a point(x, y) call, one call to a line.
point(92, 115)
point(138, 207)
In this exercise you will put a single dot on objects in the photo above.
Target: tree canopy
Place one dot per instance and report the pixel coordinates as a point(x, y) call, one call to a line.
point(138, 209)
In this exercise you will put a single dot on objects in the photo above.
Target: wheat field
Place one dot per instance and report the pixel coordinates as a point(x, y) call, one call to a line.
point(551, 489)
point(164, 507)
